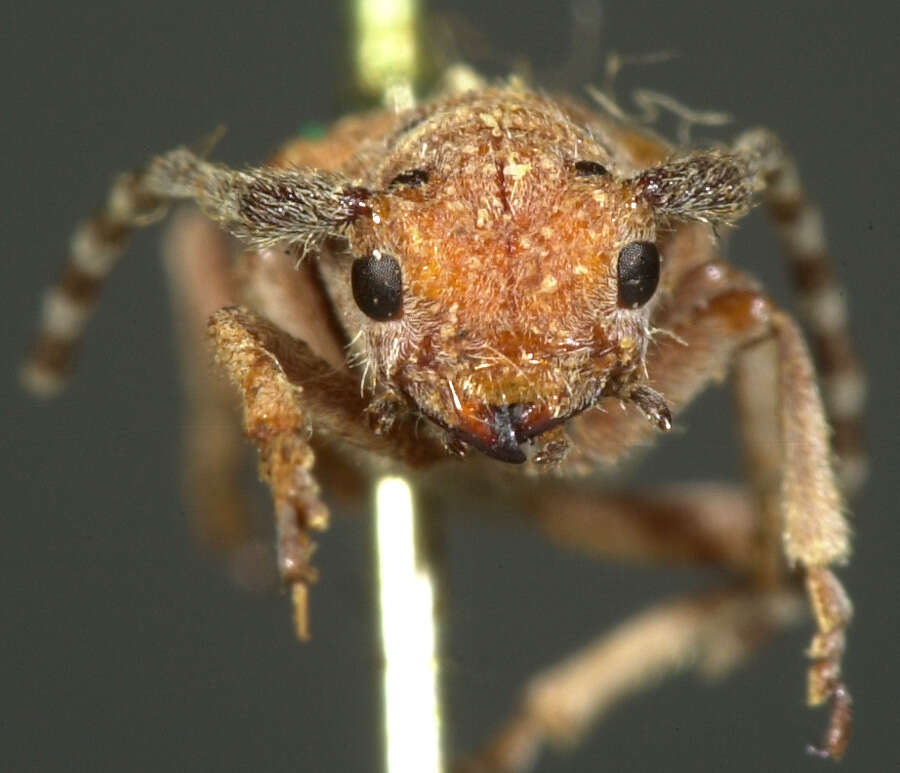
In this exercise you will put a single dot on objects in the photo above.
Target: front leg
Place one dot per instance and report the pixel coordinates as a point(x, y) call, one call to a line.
point(275, 420)
point(286, 392)
point(713, 319)
point(816, 533)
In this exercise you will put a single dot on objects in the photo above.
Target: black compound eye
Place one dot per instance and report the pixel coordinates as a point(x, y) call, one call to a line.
point(377, 285)
point(589, 169)
point(412, 177)
point(638, 274)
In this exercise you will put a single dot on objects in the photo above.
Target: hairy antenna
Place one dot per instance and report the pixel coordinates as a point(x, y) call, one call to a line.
point(712, 186)
point(259, 206)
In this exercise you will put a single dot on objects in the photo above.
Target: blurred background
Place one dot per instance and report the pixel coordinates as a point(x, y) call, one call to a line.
point(122, 648)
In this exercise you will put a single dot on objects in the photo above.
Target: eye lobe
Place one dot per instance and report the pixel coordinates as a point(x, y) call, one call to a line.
point(412, 177)
point(590, 169)
point(638, 273)
point(377, 284)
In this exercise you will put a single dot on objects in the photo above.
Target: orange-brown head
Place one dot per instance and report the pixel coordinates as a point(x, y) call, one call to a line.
point(504, 279)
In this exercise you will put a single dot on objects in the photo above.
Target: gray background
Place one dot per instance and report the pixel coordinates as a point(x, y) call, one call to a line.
point(122, 649)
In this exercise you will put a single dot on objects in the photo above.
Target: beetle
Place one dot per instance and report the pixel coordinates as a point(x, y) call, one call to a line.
point(508, 281)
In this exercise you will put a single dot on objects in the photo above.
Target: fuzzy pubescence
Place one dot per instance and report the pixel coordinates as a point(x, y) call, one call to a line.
point(264, 206)
point(710, 186)
point(510, 320)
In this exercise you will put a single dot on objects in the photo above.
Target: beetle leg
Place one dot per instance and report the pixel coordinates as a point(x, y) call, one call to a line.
point(719, 326)
point(713, 631)
point(787, 447)
point(286, 393)
point(816, 533)
point(275, 420)
point(697, 524)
